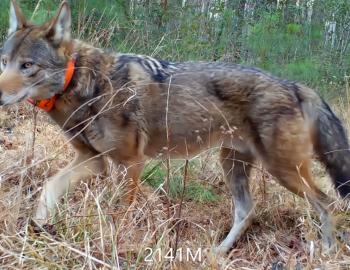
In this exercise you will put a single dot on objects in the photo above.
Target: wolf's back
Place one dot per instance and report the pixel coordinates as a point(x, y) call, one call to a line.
point(330, 139)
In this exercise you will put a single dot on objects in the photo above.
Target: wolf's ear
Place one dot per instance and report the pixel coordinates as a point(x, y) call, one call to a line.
point(17, 19)
point(60, 26)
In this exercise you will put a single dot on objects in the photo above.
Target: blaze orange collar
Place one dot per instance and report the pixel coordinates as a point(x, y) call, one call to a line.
point(49, 103)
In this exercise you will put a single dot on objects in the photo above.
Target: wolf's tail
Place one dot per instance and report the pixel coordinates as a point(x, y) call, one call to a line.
point(330, 140)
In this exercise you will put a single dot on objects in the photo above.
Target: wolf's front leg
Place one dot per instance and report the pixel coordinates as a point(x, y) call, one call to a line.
point(237, 167)
point(130, 179)
point(85, 165)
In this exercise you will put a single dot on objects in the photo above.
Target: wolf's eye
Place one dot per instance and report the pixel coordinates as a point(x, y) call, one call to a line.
point(4, 62)
point(27, 65)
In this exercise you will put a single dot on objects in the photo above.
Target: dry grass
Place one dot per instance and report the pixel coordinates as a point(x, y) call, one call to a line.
point(90, 230)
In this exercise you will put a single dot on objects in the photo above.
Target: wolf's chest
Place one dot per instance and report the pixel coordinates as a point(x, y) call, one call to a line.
point(106, 135)
point(92, 133)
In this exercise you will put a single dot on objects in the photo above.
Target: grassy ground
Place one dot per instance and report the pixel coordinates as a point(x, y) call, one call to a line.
point(91, 231)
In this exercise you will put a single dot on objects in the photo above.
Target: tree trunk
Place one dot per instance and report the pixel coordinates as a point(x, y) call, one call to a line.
point(126, 8)
point(164, 8)
point(239, 8)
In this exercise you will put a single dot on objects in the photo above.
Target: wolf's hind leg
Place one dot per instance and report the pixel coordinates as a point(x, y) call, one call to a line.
point(299, 181)
point(236, 168)
point(85, 165)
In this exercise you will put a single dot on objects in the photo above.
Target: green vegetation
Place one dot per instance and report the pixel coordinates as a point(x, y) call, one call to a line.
point(291, 39)
point(154, 174)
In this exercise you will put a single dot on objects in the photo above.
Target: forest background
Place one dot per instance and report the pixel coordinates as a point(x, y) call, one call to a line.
point(302, 40)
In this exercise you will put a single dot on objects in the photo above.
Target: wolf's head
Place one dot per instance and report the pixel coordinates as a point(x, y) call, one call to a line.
point(34, 57)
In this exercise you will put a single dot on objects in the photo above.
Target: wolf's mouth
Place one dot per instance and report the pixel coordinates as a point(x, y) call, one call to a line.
point(22, 98)
point(13, 99)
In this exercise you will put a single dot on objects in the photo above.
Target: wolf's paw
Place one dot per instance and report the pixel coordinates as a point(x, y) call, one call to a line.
point(41, 215)
point(344, 237)
point(221, 250)
point(38, 228)
point(328, 246)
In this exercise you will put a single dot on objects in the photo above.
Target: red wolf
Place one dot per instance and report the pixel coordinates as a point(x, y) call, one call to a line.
point(132, 107)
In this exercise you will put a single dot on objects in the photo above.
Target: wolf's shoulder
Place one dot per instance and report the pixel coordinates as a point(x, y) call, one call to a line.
point(157, 68)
